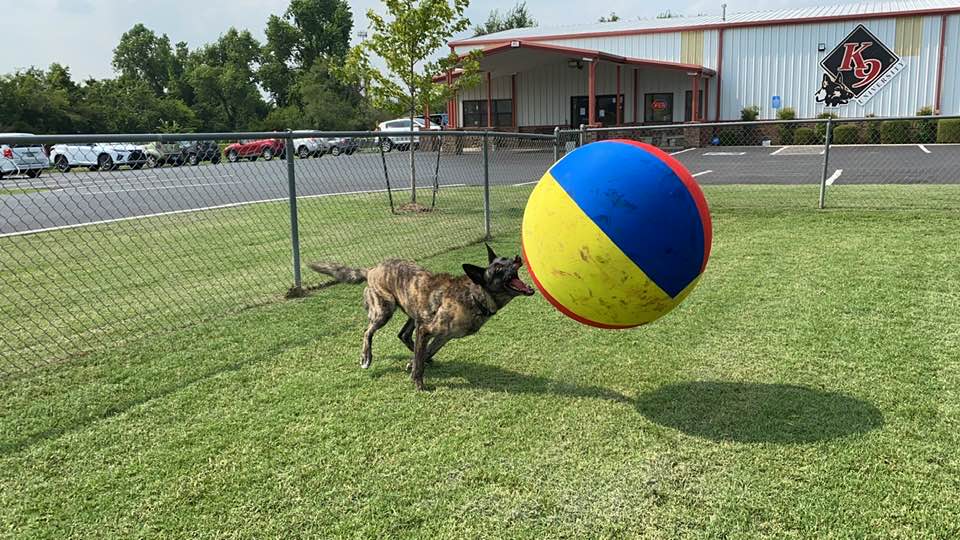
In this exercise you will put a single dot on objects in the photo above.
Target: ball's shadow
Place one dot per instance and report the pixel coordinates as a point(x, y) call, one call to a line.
point(755, 413)
point(715, 410)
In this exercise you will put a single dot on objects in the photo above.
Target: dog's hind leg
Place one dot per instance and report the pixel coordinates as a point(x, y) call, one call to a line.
point(434, 346)
point(419, 355)
point(406, 333)
point(379, 311)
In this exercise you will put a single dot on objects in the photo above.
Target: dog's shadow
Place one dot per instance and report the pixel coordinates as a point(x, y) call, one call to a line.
point(715, 410)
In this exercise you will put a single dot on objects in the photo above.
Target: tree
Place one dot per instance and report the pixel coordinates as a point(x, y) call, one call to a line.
point(223, 77)
point(516, 17)
point(405, 41)
point(144, 56)
point(310, 31)
point(612, 18)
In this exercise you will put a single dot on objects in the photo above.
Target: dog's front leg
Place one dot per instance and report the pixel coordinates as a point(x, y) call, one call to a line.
point(419, 356)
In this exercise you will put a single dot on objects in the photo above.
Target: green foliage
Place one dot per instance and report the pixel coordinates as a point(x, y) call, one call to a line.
point(821, 128)
point(896, 132)
point(613, 17)
point(948, 131)
point(143, 56)
point(925, 130)
point(750, 114)
point(871, 131)
point(787, 131)
point(516, 17)
point(846, 134)
point(805, 136)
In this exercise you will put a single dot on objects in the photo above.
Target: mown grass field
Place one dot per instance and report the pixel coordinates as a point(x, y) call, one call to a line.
point(807, 388)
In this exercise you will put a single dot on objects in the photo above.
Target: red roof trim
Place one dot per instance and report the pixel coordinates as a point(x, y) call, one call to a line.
point(715, 26)
point(597, 55)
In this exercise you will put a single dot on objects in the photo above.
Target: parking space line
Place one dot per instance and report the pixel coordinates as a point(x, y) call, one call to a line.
point(724, 153)
point(781, 149)
point(682, 151)
point(924, 148)
point(701, 173)
point(833, 178)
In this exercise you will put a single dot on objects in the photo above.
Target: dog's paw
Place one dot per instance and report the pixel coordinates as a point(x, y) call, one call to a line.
point(409, 367)
point(365, 363)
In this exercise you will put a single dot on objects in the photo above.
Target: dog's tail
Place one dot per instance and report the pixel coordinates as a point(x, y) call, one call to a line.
point(339, 272)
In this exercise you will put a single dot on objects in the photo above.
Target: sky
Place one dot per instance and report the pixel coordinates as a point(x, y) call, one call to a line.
point(81, 34)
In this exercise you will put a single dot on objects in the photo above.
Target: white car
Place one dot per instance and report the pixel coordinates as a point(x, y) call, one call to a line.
point(401, 142)
point(309, 146)
point(102, 156)
point(18, 159)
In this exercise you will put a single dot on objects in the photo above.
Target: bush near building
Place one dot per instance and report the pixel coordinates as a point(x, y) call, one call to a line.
point(896, 132)
point(804, 135)
point(787, 131)
point(871, 131)
point(948, 131)
point(925, 130)
point(846, 134)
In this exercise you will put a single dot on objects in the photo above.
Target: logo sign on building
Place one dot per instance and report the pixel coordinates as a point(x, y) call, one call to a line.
point(658, 105)
point(859, 67)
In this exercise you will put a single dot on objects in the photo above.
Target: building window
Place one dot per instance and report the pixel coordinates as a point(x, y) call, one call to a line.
point(658, 108)
point(475, 113)
point(688, 106)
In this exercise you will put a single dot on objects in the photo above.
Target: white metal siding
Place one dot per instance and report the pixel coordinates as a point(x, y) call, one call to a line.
point(649, 46)
point(761, 62)
point(950, 92)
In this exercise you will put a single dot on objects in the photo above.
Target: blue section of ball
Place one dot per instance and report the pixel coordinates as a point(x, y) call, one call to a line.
point(641, 204)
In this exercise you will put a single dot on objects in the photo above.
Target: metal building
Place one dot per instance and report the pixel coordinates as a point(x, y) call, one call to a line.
point(884, 59)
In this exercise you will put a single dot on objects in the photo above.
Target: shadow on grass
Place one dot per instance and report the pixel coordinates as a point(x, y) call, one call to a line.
point(719, 411)
point(490, 378)
point(752, 412)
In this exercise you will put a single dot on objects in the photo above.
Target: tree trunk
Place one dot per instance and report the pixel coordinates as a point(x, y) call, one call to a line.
point(413, 163)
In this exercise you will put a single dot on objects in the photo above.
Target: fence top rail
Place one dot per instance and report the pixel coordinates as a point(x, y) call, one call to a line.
point(249, 135)
point(652, 127)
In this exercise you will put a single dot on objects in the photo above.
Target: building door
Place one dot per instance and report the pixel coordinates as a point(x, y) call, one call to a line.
point(688, 106)
point(658, 109)
point(578, 111)
point(606, 110)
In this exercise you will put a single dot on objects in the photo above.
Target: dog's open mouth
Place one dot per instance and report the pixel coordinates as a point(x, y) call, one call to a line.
point(519, 287)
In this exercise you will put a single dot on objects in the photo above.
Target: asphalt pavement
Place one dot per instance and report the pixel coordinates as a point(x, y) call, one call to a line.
point(81, 197)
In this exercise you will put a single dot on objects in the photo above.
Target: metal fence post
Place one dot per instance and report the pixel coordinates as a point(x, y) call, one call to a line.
point(556, 144)
point(297, 289)
point(486, 185)
point(583, 134)
point(826, 164)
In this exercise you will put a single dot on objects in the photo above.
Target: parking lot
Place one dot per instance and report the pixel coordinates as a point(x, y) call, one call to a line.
point(81, 197)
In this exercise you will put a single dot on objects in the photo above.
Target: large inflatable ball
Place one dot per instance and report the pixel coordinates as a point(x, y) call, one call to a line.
point(616, 234)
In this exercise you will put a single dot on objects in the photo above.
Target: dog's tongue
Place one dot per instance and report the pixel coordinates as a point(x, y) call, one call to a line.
point(519, 285)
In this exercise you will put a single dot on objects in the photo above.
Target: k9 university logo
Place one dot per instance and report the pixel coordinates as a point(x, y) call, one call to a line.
point(857, 69)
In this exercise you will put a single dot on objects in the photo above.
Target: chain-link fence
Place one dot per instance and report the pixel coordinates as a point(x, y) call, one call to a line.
point(104, 239)
point(880, 163)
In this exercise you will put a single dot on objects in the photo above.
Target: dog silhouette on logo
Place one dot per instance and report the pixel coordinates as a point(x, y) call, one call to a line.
point(833, 91)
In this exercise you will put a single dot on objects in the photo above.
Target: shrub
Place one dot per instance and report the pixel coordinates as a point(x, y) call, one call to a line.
point(804, 135)
point(750, 114)
point(871, 131)
point(896, 132)
point(822, 128)
point(846, 134)
point(926, 130)
point(787, 131)
point(948, 131)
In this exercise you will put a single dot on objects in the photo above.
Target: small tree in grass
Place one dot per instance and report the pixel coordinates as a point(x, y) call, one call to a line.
point(405, 39)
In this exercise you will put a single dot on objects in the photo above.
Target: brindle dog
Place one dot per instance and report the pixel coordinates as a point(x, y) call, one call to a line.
point(439, 307)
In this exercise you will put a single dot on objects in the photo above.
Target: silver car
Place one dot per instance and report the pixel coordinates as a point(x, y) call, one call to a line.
point(20, 159)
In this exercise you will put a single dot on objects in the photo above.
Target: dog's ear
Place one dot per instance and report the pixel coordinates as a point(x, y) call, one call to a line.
point(490, 254)
point(475, 273)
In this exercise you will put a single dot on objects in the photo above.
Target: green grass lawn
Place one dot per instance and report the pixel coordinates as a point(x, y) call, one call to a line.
point(807, 388)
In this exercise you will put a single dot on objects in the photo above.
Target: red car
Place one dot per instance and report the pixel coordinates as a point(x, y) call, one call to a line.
point(265, 148)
